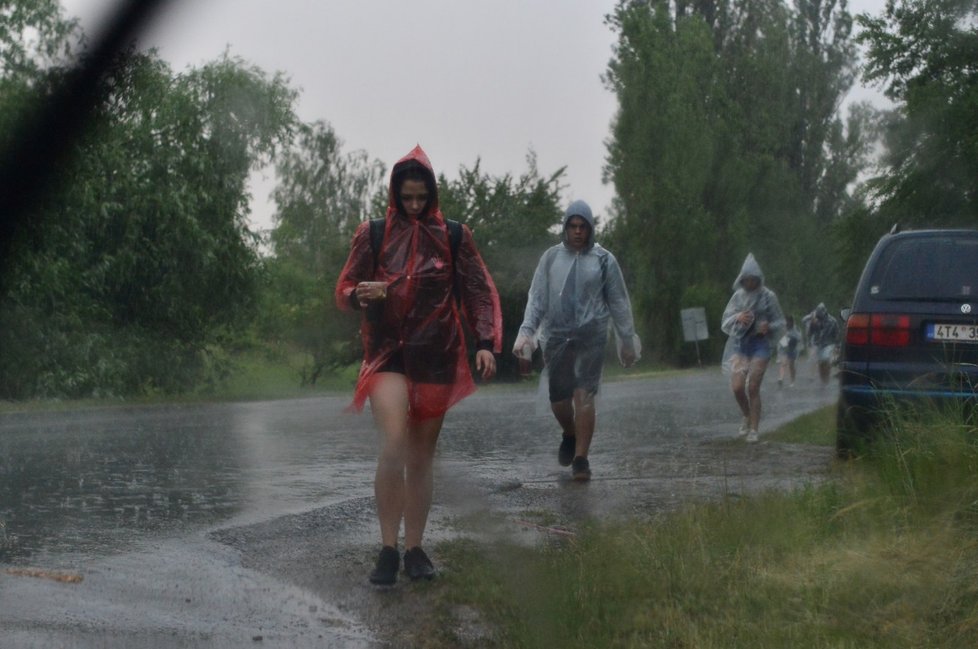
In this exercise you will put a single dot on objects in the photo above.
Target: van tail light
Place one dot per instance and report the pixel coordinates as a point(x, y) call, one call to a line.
point(890, 330)
point(857, 329)
point(880, 329)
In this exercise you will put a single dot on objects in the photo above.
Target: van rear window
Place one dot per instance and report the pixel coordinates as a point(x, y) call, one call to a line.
point(927, 269)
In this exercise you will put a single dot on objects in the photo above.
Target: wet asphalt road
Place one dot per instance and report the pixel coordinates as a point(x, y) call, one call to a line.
point(252, 524)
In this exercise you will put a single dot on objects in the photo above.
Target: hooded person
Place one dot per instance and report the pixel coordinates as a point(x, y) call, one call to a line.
point(752, 320)
point(788, 346)
point(414, 276)
point(822, 331)
point(576, 292)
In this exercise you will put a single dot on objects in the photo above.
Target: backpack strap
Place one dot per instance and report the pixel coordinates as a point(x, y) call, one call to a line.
point(454, 237)
point(376, 238)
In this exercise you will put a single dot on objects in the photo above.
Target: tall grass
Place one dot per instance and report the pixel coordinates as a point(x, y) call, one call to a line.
point(883, 555)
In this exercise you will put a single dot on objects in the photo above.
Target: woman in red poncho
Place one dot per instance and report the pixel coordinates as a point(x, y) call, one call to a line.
point(412, 286)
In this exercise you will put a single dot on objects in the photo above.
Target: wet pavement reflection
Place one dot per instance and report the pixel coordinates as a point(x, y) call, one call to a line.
point(91, 482)
point(259, 516)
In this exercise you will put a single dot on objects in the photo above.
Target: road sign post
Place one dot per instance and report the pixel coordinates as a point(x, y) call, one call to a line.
point(694, 328)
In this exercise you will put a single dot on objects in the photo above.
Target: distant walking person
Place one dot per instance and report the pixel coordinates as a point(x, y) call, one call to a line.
point(822, 331)
point(788, 346)
point(577, 290)
point(403, 277)
point(751, 320)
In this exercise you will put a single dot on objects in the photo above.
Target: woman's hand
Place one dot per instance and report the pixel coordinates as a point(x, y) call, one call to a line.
point(745, 317)
point(368, 292)
point(485, 364)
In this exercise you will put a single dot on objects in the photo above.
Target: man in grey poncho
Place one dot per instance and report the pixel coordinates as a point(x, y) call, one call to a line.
point(577, 290)
point(823, 335)
point(752, 320)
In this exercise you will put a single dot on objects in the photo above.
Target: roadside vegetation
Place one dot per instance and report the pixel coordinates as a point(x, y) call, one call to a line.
point(882, 555)
point(138, 273)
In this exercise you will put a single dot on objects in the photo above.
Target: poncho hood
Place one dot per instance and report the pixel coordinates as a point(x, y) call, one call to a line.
point(583, 210)
point(750, 268)
point(415, 159)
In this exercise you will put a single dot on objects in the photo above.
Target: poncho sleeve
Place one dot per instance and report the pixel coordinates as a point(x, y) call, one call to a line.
point(359, 267)
point(479, 298)
point(537, 300)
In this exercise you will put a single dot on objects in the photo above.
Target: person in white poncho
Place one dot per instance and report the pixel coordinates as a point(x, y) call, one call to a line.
point(577, 290)
point(752, 320)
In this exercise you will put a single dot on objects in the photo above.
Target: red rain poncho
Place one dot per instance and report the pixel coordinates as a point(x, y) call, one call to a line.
point(419, 321)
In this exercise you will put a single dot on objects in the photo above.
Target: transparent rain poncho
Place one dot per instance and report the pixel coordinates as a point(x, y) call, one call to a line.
point(418, 326)
point(762, 303)
point(573, 298)
point(821, 328)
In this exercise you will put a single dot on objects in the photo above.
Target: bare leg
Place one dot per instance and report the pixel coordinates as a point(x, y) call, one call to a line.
point(418, 483)
point(824, 371)
point(738, 383)
point(584, 418)
point(791, 370)
point(389, 404)
point(564, 413)
point(755, 376)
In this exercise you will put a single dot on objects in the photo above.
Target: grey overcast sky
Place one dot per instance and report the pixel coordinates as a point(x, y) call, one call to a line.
point(465, 79)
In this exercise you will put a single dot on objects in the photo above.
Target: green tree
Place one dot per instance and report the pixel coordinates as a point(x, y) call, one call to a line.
point(727, 140)
point(34, 36)
point(513, 221)
point(144, 265)
point(924, 53)
point(323, 194)
point(663, 155)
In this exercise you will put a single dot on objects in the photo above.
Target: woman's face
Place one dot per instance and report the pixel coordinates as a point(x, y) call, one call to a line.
point(414, 197)
point(750, 283)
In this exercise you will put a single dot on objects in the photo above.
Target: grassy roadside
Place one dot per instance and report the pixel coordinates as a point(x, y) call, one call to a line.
point(884, 555)
point(254, 377)
point(257, 376)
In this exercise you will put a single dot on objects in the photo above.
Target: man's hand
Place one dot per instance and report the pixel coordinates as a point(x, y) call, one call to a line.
point(627, 357)
point(523, 347)
point(485, 364)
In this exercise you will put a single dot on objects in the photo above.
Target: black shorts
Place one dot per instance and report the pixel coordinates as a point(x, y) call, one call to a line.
point(393, 364)
point(441, 372)
point(573, 365)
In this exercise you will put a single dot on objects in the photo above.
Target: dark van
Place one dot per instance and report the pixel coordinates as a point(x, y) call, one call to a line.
point(912, 333)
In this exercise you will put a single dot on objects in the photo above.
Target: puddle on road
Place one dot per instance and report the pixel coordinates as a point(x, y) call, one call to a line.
point(287, 488)
point(96, 482)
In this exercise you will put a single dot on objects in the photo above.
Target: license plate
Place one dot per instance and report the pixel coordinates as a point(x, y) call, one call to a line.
point(955, 333)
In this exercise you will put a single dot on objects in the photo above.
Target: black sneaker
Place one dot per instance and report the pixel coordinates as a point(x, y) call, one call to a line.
point(581, 469)
point(566, 452)
point(417, 565)
point(385, 572)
